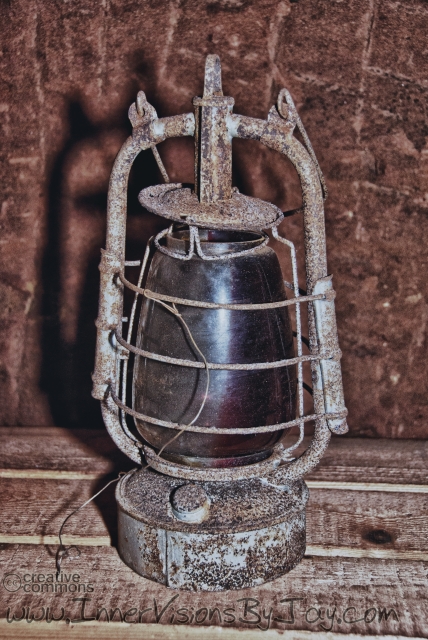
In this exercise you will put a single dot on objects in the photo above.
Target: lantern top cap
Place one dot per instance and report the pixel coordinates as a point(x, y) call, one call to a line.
point(213, 203)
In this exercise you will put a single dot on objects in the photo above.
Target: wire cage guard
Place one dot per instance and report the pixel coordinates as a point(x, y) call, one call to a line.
point(113, 347)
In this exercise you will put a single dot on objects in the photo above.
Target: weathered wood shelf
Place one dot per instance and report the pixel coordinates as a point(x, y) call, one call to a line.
point(365, 572)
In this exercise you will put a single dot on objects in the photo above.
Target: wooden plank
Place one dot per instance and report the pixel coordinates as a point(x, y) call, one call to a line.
point(363, 521)
point(311, 550)
point(38, 508)
point(44, 474)
point(355, 460)
point(372, 520)
point(339, 522)
point(331, 551)
point(94, 541)
point(115, 630)
point(382, 487)
point(55, 448)
point(340, 595)
point(374, 460)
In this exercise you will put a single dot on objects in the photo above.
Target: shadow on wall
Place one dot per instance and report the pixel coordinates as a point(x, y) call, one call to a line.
point(76, 232)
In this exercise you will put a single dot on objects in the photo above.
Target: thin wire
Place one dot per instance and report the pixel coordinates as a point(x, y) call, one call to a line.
point(291, 113)
point(175, 254)
point(225, 366)
point(227, 256)
point(129, 335)
point(175, 311)
point(62, 550)
point(224, 431)
point(160, 164)
point(262, 306)
point(298, 336)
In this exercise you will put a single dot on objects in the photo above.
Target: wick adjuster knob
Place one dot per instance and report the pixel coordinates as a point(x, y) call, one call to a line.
point(190, 503)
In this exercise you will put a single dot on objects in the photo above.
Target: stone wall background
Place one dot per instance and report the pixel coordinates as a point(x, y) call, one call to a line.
point(70, 69)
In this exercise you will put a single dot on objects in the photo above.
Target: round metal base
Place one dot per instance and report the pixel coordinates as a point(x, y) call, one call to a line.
point(242, 533)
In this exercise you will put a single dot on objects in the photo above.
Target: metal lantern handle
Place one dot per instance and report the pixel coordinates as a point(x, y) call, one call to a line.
point(275, 133)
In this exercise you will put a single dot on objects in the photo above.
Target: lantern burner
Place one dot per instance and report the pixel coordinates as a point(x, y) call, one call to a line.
point(219, 502)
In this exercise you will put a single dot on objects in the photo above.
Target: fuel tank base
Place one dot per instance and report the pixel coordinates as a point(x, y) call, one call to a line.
point(210, 536)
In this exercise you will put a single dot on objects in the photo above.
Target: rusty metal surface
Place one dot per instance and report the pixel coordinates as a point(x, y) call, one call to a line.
point(175, 202)
point(210, 561)
point(148, 131)
point(278, 135)
point(197, 471)
point(325, 319)
point(239, 505)
point(206, 562)
point(253, 532)
point(188, 498)
point(213, 148)
point(143, 547)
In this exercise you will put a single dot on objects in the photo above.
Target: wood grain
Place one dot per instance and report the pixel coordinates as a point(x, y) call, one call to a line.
point(321, 583)
point(382, 487)
point(374, 460)
point(54, 448)
point(354, 460)
point(371, 520)
point(44, 474)
point(113, 631)
point(377, 524)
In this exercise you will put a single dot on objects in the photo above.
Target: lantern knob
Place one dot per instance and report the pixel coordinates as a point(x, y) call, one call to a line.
point(190, 503)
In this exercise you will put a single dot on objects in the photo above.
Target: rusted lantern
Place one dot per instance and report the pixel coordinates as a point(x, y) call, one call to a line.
point(218, 501)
